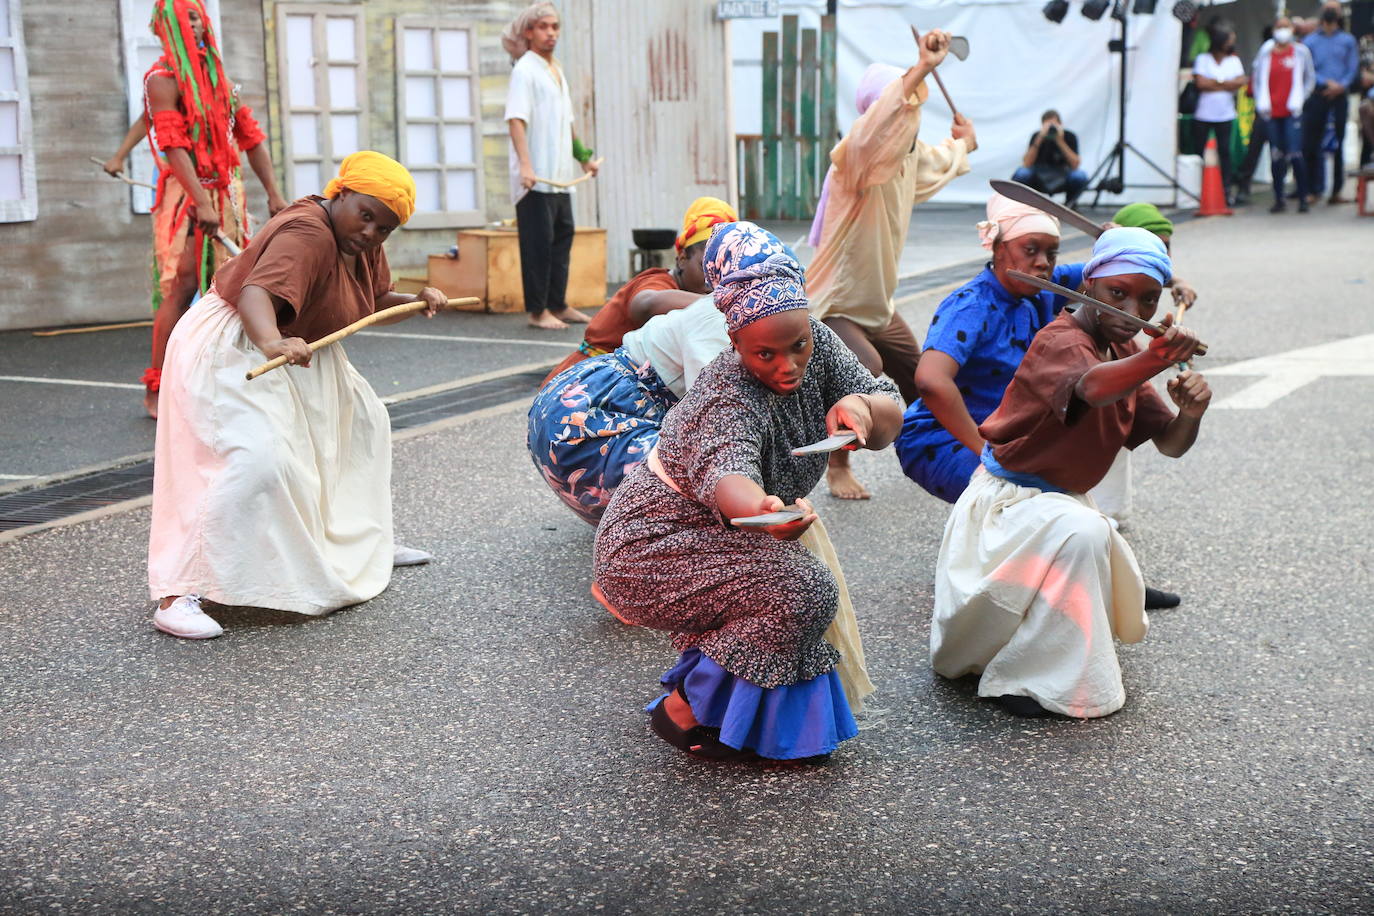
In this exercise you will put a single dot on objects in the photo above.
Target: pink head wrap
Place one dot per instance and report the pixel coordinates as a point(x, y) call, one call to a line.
point(871, 85)
point(1008, 219)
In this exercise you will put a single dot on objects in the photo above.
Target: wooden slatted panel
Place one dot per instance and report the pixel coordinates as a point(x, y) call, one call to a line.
point(826, 126)
point(769, 168)
point(787, 120)
point(809, 142)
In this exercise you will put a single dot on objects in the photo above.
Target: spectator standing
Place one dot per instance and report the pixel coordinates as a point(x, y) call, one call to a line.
point(1283, 78)
point(1336, 58)
point(1219, 74)
point(1051, 163)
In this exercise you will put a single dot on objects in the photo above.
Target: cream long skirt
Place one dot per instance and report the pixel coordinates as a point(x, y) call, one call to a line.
point(272, 493)
point(1030, 590)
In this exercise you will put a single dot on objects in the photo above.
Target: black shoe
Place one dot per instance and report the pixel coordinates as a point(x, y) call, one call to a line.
point(1280, 206)
point(698, 741)
point(1156, 600)
point(1303, 207)
point(1024, 707)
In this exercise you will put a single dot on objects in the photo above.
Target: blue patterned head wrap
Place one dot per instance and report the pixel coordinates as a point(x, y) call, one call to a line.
point(1129, 250)
point(753, 275)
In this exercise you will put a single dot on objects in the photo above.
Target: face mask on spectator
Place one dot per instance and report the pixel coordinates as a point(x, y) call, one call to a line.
point(1283, 36)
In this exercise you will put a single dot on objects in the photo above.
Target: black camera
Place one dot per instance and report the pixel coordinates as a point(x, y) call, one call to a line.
point(1053, 131)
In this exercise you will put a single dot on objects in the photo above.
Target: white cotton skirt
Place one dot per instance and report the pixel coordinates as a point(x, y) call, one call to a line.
point(273, 493)
point(1031, 588)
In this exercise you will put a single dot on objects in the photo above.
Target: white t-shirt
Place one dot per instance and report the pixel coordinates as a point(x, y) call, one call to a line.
point(541, 100)
point(1217, 105)
point(679, 344)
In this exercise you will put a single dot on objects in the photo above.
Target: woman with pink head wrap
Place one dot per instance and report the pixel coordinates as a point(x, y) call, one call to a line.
point(976, 340)
point(877, 174)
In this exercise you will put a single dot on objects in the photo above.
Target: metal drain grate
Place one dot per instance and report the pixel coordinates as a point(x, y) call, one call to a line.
point(105, 488)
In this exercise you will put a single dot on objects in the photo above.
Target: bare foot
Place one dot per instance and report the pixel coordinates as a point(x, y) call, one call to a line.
point(546, 322)
point(150, 403)
point(571, 316)
point(841, 480)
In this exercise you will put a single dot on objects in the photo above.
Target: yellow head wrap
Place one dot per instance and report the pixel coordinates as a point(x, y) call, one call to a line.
point(378, 176)
point(702, 216)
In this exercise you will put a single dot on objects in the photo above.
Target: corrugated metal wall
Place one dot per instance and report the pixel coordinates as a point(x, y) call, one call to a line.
point(651, 82)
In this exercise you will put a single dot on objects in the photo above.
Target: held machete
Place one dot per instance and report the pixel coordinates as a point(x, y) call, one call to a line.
point(1153, 330)
point(1033, 198)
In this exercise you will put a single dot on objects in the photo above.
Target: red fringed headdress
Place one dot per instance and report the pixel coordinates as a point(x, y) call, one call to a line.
point(206, 95)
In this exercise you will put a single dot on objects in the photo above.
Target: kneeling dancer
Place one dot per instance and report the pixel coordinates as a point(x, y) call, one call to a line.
point(747, 607)
point(276, 492)
point(1033, 581)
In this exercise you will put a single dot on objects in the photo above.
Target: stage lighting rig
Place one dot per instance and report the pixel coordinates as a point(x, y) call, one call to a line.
point(1094, 9)
point(1056, 10)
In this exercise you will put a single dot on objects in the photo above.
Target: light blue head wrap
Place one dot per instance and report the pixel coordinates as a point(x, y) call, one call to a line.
point(1129, 250)
point(753, 275)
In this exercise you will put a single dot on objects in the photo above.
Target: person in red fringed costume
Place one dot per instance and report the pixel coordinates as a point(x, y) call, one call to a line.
point(196, 127)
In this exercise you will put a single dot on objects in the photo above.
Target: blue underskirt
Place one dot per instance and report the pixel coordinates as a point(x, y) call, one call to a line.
point(781, 723)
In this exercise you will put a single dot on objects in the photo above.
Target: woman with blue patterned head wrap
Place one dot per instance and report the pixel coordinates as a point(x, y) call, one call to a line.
point(748, 608)
point(1033, 583)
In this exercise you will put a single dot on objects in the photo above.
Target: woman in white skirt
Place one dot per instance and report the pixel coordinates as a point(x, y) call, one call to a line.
point(276, 492)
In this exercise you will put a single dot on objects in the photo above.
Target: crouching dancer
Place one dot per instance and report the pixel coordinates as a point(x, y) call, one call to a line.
point(1033, 582)
point(748, 608)
point(276, 492)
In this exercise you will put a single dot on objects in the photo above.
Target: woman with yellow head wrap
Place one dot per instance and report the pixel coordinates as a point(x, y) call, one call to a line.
point(655, 291)
point(276, 492)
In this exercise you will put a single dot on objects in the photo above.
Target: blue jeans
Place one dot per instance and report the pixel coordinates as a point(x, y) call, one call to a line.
point(1074, 184)
point(1285, 146)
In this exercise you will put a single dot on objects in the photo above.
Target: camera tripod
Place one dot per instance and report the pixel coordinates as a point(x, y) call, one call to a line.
point(1116, 184)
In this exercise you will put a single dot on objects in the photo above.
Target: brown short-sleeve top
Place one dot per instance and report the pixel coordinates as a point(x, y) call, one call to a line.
point(295, 258)
point(1043, 428)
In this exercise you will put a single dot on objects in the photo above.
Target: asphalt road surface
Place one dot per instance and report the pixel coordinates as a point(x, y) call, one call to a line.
point(472, 740)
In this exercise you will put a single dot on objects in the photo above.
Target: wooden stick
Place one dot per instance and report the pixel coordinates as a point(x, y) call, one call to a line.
point(93, 328)
point(396, 310)
point(575, 181)
point(124, 178)
point(1178, 319)
point(936, 73)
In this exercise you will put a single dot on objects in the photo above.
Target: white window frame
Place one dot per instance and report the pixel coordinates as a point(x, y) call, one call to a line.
point(319, 12)
point(135, 36)
point(25, 209)
point(447, 218)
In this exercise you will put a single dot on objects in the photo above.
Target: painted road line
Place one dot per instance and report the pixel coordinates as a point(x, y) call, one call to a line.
point(17, 476)
point(68, 381)
point(455, 338)
point(1284, 373)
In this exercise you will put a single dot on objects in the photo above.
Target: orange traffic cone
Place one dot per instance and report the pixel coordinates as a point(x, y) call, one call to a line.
point(1213, 190)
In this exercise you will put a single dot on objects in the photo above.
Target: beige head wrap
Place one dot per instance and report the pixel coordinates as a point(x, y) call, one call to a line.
point(513, 38)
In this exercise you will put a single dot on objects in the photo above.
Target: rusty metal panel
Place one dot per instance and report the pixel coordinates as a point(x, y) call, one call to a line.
point(656, 79)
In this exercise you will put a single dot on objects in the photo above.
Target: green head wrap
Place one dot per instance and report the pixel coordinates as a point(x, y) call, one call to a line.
point(1144, 216)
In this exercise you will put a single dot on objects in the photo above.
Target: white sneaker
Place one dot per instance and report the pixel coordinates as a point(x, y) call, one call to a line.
point(410, 556)
point(184, 618)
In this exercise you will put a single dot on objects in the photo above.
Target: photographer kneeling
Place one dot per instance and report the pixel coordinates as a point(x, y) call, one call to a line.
point(1051, 161)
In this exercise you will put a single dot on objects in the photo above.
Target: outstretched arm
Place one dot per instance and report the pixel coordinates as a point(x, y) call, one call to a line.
point(650, 302)
point(137, 131)
point(1111, 381)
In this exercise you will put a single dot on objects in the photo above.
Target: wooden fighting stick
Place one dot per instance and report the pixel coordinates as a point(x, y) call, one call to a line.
point(936, 73)
point(124, 178)
point(404, 308)
point(93, 328)
point(575, 181)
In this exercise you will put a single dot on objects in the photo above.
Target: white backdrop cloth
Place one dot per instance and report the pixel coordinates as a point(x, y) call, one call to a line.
point(1019, 64)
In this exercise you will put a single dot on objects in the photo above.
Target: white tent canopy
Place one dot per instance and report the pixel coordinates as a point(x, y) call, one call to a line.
point(1020, 64)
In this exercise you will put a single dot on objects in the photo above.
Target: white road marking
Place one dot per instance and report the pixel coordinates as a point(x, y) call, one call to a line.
point(17, 476)
point(68, 381)
point(1286, 372)
point(562, 344)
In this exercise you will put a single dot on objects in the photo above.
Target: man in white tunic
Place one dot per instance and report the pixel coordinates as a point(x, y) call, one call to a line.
point(539, 112)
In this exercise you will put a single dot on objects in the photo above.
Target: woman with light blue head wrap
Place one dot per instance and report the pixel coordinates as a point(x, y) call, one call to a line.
point(1033, 583)
point(748, 608)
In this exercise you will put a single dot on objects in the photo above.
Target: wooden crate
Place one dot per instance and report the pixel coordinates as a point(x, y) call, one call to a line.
point(488, 267)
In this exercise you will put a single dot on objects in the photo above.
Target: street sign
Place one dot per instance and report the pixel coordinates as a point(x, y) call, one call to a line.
point(746, 9)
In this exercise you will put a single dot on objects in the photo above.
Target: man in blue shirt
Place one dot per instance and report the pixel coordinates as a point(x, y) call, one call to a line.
point(1336, 57)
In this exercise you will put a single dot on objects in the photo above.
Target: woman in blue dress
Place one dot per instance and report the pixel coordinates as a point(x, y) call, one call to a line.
point(976, 340)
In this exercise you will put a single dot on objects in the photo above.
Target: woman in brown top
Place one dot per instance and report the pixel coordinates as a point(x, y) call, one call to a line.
point(277, 492)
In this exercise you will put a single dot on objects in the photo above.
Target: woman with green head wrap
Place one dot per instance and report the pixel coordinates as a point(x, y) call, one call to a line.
point(1147, 216)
